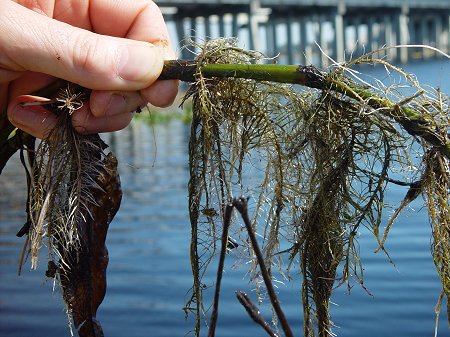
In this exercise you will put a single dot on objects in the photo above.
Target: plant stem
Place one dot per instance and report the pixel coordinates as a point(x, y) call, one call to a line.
point(241, 205)
point(253, 312)
point(223, 252)
point(185, 70)
point(412, 121)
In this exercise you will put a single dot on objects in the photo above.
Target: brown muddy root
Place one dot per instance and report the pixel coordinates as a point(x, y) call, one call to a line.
point(84, 282)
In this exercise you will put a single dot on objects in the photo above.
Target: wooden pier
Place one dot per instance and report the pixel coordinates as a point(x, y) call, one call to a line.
point(316, 32)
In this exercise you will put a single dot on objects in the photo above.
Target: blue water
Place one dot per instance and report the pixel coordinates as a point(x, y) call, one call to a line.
point(149, 270)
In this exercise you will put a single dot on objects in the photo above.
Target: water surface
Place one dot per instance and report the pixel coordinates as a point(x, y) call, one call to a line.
point(149, 271)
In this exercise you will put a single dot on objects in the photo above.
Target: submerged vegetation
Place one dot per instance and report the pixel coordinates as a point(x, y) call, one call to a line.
point(73, 194)
point(315, 164)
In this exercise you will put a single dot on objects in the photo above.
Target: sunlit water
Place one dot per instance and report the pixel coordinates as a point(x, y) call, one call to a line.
point(149, 271)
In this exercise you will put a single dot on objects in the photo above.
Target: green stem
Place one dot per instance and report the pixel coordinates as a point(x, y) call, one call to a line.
point(412, 121)
point(295, 74)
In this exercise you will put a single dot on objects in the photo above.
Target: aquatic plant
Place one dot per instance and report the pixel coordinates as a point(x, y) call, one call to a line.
point(73, 194)
point(314, 163)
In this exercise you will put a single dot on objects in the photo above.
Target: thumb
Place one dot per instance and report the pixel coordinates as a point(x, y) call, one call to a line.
point(31, 41)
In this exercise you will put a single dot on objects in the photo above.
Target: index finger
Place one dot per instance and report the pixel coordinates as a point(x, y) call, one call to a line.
point(137, 20)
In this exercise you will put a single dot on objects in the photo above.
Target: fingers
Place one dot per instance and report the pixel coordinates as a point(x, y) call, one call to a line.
point(36, 120)
point(121, 65)
point(85, 122)
point(161, 93)
point(9, 75)
point(95, 61)
point(112, 103)
point(137, 20)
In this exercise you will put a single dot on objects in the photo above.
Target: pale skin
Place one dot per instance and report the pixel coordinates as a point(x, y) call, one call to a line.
point(115, 47)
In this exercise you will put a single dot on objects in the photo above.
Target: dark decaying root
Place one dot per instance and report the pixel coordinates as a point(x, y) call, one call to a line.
point(84, 283)
point(74, 193)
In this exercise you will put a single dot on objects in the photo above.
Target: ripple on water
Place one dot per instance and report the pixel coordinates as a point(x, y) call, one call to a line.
point(149, 271)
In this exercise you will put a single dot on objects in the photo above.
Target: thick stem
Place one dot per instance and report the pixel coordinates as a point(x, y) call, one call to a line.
point(309, 76)
point(186, 71)
point(412, 121)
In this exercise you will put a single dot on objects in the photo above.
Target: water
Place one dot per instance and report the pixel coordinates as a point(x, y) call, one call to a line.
point(149, 271)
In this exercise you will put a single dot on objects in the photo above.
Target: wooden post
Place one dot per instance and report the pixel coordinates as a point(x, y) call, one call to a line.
point(290, 49)
point(339, 30)
point(303, 41)
point(402, 36)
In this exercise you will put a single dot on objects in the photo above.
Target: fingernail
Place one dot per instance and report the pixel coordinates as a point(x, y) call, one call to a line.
point(139, 61)
point(25, 116)
point(34, 120)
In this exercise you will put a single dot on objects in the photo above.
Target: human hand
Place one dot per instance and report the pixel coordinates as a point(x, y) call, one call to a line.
point(114, 47)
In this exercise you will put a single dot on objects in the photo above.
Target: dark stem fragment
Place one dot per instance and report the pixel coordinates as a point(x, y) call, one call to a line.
point(254, 313)
point(223, 252)
point(241, 206)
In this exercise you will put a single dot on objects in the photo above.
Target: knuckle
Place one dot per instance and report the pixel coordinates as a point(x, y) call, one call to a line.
point(90, 56)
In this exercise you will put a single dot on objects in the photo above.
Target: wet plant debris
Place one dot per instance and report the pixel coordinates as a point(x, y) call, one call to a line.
point(315, 152)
